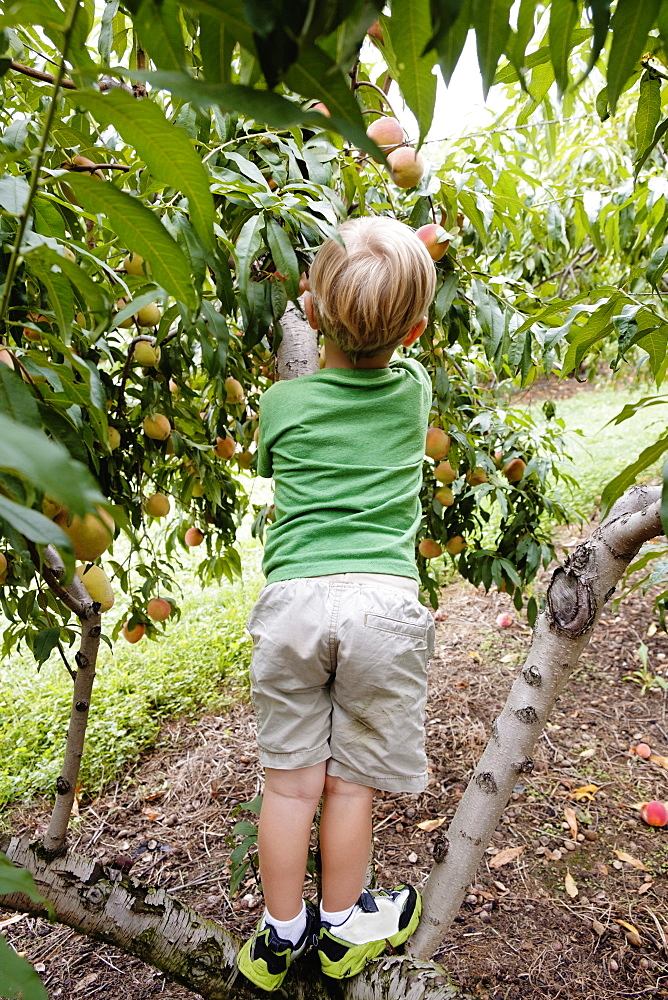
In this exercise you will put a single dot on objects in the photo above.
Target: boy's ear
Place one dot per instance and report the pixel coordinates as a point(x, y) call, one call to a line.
point(310, 311)
point(416, 332)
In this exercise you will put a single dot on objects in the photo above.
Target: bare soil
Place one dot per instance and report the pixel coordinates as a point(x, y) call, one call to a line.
point(520, 933)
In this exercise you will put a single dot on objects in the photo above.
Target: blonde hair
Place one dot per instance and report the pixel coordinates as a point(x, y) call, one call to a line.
point(370, 293)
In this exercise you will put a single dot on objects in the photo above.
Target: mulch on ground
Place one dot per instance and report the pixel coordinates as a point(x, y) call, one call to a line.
point(519, 932)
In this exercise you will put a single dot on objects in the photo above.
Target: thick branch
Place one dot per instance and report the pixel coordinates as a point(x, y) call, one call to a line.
point(189, 948)
point(575, 600)
point(298, 351)
point(37, 74)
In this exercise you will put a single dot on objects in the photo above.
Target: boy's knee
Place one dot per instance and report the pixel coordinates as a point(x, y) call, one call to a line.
point(338, 786)
point(303, 784)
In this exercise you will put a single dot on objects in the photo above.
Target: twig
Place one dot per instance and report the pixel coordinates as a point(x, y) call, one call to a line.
point(77, 168)
point(37, 74)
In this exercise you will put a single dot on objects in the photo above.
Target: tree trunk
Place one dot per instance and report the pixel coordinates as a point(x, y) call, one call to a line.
point(575, 599)
point(191, 949)
point(298, 351)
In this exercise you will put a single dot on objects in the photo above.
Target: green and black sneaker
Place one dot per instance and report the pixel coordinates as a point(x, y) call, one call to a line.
point(378, 918)
point(265, 958)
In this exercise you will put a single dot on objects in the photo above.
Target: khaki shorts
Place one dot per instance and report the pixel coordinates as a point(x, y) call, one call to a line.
point(339, 674)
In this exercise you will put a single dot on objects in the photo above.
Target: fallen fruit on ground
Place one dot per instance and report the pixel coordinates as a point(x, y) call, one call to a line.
point(434, 238)
point(643, 750)
point(134, 264)
point(157, 427)
point(149, 315)
point(445, 496)
point(98, 585)
point(477, 476)
point(133, 634)
point(225, 447)
point(437, 444)
point(234, 391)
point(90, 535)
point(193, 537)
point(387, 133)
point(113, 438)
point(504, 620)
point(455, 545)
point(146, 354)
point(429, 549)
point(654, 813)
point(406, 166)
point(157, 505)
point(444, 473)
point(158, 609)
point(514, 470)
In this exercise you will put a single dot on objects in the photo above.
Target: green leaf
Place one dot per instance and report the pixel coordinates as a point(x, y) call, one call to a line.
point(33, 526)
point(648, 111)
point(449, 44)
point(409, 31)
point(524, 33)
point(13, 879)
point(284, 256)
point(141, 232)
point(16, 400)
point(262, 105)
point(657, 265)
point(627, 477)
point(630, 26)
point(600, 17)
point(316, 75)
point(216, 45)
point(159, 28)
point(491, 20)
point(29, 454)
point(165, 148)
point(90, 293)
point(48, 220)
point(656, 138)
point(473, 213)
point(13, 194)
point(58, 288)
point(17, 977)
point(564, 16)
point(44, 643)
point(584, 337)
point(655, 344)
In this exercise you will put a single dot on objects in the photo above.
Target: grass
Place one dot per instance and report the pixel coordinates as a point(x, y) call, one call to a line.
point(200, 663)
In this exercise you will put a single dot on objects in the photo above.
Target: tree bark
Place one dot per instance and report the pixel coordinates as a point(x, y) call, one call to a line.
point(191, 949)
point(298, 351)
point(575, 599)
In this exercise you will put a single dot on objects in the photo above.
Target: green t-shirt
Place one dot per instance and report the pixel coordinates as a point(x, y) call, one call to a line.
point(345, 448)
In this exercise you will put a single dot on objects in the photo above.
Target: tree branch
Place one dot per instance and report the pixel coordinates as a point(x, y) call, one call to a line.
point(37, 74)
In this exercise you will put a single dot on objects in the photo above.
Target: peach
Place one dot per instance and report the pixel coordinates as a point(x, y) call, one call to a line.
point(234, 391)
point(158, 609)
point(50, 507)
point(113, 438)
point(455, 545)
point(406, 167)
point(90, 535)
point(429, 549)
point(445, 496)
point(225, 447)
point(654, 813)
point(444, 473)
point(434, 238)
point(643, 750)
point(157, 505)
point(149, 315)
point(134, 264)
point(133, 634)
point(322, 108)
point(504, 620)
point(387, 133)
point(193, 537)
point(375, 31)
point(245, 459)
point(157, 427)
point(437, 444)
point(6, 359)
point(98, 585)
point(145, 353)
point(3, 567)
point(477, 476)
point(514, 470)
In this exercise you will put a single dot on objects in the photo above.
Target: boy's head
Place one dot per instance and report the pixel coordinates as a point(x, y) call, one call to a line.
point(368, 296)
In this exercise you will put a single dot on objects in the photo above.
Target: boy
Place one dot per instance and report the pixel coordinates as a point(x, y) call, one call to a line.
point(341, 642)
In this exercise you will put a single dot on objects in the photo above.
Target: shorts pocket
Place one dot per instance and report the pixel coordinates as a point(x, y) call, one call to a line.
point(395, 625)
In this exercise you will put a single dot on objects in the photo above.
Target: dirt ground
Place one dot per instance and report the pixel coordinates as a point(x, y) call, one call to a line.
point(519, 933)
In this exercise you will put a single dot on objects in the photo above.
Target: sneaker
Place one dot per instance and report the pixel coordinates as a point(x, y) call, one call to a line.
point(265, 958)
point(378, 918)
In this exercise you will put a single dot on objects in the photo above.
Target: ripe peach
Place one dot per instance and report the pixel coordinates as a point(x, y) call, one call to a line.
point(234, 391)
point(406, 167)
point(157, 427)
point(6, 359)
point(455, 545)
point(134, 264)
point(429, 549)
point(133, 634)
point(444, 473)
point(245, 459)
point(149, 315)
point(158, 609)
point(83, 161)
point(90, 535)
point(654, 813)
point(504, 620)
point(173, 386)
point(437, 444)
point(98, 585)
point(375, 31)
point(477, 476)
point(113, 438)
point(157, 505)
point(146, 354)
point(322, 108)
point(433, 237)
point(643, 751)
point(445, 496)
point(193, 537)
point(225, 447)
point(387, 133)
point(34, 335)
point(514, 470)
point(3, 567)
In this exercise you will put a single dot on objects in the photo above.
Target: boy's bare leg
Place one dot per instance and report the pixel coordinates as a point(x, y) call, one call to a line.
point(345, 842)
point(284, 831)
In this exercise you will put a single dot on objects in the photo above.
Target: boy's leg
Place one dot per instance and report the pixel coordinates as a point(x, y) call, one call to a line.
point(345, 841)
point(288, 807)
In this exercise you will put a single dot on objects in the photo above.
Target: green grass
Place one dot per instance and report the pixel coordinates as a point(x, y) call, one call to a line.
point(602, 451)
point(199, 663)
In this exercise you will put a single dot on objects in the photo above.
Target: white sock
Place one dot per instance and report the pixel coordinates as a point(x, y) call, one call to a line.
point(337, 917)
point(289, 930)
